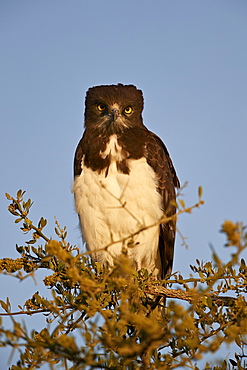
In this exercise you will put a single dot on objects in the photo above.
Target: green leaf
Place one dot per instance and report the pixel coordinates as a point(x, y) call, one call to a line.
point(57, 231)
point(32, 241)
point(60, 266)
point(4, 305)
point(233, 363)
point(19, 194)
point(242, 265)
point(18, 220)
point(200, 190)
point(35, 251)
point(28, 222)
point(19, 249)
point(182, 203)
point(28, 203)
point(42, 223)
point(19, 206)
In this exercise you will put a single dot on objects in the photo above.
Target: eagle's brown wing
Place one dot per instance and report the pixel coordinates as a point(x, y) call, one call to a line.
point(78, 157)
point(158, 158)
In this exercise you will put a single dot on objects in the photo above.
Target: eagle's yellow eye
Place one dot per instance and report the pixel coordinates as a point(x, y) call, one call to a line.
point(128, 110)
point(101, 107)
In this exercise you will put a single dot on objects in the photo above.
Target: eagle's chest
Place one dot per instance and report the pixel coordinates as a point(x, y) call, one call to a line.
point(116, 202)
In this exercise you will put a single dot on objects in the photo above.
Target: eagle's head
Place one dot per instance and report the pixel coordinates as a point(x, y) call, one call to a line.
point(113, 108)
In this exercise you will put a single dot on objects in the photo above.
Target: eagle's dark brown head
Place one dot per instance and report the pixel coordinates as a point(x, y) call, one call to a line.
point(113, 108)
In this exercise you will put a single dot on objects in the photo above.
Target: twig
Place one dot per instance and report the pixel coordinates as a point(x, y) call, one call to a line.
point(189, 297)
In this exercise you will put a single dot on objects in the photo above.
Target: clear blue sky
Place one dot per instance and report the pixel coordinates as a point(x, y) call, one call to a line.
point(190, 59)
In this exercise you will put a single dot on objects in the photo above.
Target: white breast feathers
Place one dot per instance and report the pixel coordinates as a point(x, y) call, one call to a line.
point(113, 208)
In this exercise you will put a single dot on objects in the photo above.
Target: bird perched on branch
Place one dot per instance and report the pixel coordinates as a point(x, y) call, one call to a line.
point(124, 183)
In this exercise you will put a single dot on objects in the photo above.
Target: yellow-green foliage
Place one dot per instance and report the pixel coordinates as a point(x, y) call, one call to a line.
point(101, 319)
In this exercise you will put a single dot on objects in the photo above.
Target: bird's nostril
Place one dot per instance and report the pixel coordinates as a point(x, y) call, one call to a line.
point(114, 114)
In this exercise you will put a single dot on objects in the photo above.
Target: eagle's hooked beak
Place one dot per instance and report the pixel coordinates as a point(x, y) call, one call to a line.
point(114, 114)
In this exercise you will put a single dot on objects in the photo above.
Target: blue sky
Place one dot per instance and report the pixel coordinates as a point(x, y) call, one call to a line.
point(188, 56)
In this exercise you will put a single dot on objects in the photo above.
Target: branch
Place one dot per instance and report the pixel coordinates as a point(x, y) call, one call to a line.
point(28, 312)
point(24, 312)
point(189, 297)
point(164, 219)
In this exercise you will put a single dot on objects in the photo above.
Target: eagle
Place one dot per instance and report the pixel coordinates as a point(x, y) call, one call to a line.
point(124, 182)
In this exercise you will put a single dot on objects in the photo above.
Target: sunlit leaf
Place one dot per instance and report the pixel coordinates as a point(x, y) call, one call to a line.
point(200, 191)
point(17, 220)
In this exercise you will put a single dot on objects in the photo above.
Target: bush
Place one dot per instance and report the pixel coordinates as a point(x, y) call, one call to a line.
point(105, 319)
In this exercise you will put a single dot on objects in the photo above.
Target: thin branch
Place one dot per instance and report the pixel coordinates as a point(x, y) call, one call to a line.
point(24, 312)
point(187, 296)
point(39, 232)
point(122, 204)
point(164, 219)
point(34, 311)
